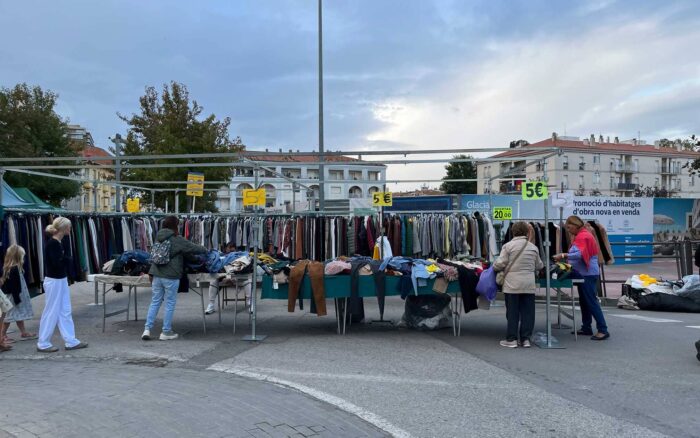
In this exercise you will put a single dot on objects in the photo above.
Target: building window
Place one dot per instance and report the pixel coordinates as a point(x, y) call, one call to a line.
point(596, 159)
point(596, 178)
point(374, 176)
point(355, 175)
point(336, 175)
point(656, 182)
point(612, 182)
point(565, 181)
point(336, 190)
point(580, 181)
point(657, 166)
point(355, 192)
point(692, 181)
point(565, 163)
point(581, 163)
point(636, 165)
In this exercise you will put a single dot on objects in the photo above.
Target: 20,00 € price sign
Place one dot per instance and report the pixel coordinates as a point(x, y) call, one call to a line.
point(503, 213)
point(534, 190)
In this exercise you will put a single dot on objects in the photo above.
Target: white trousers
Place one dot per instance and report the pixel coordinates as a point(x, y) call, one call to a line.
point(57, 311)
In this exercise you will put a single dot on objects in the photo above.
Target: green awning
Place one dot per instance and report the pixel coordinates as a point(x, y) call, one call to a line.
point(30, 198)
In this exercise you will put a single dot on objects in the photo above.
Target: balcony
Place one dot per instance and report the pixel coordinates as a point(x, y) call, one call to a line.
point(627, 187)
point(670, 170)
point(581, 166)
point(565, 166)
point(625, 169)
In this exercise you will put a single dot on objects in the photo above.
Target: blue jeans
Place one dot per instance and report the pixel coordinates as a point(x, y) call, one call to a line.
point(590, 307)
point(164, 289)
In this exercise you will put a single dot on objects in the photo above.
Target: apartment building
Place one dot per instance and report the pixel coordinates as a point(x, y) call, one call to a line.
point(345, 178)
point(596, 166)
point(98, 171)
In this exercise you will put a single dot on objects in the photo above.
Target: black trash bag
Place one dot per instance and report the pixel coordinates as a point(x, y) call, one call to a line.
point(427, 312)
point(667, 303)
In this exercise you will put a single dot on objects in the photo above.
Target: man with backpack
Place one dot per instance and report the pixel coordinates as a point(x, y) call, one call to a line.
point(167, 267)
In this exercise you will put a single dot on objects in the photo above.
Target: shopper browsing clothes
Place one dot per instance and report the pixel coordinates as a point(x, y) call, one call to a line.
point(57, 310)
point(583, 257)
point(519, 259)
point(166, 270)
point(15, 287)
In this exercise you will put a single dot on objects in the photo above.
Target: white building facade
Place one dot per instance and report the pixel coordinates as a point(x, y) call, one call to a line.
point(345, 178)
point(597, 167)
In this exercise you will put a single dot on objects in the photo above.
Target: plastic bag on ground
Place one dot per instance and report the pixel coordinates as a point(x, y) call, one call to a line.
point(427, 312)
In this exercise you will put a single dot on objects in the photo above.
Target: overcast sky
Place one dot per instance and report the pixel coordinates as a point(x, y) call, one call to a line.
point(399, 74)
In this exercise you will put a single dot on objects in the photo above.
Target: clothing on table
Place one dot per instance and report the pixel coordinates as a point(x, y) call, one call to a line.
point(296, 278)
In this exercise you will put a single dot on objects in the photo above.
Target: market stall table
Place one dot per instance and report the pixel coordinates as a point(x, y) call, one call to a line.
point(131, 282)
point(338, 288)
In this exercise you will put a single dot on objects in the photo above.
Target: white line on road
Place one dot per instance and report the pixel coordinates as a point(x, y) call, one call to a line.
point(693, 326)
point(643, 318)
point(320, 395)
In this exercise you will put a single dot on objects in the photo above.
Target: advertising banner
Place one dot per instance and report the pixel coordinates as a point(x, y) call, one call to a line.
point(625, 219)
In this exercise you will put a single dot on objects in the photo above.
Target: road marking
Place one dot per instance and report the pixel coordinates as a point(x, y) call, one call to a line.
point(693, 326)
point(320, 395)
point(644, 318)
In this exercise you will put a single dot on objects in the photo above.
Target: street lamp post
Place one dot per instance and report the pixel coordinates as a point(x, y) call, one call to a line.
point(321, 172)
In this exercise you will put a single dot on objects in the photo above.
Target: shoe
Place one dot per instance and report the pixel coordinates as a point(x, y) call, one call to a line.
point(146, 336)
point(600, 338)
point(583, 333)
point(47, 350)
point(168, 336)
point(210, 309)
point(77, 347)
point(509, 344)
point(697, 347)
point(526, 344)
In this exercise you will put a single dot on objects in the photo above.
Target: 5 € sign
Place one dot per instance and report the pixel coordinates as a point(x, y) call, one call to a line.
point(534, 190)
point(382, 199)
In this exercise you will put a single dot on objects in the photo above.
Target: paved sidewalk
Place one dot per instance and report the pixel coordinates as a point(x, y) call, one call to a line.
point(70, 398)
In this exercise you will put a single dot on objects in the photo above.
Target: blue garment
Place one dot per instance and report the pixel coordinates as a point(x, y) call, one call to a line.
point(163, 287)
point(394, 262)
point(575, 258)
point(137, 254)
point(418, 270)
point(590, 307)
point(215, 260)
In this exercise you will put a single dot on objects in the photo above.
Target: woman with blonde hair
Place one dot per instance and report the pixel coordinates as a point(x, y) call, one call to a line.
point(14, 285)
point(57, 310)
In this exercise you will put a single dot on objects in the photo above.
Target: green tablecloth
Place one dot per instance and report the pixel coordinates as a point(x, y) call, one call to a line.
point(338, 286)
point(561, 284)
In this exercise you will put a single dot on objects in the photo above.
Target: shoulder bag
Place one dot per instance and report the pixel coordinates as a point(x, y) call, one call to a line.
point(501, 276)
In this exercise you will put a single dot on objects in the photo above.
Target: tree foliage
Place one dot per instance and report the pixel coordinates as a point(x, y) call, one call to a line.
point(694, 142)
point(651, 192)
point(460, 170)
point(29, 127)
point(171, 123)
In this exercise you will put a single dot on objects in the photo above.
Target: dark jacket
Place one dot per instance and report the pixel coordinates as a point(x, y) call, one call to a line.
point(179, 249)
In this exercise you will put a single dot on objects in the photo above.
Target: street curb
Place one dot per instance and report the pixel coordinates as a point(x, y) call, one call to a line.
point(339, 403)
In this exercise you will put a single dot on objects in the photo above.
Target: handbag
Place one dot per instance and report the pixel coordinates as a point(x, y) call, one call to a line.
point(487, 287)
point(5, 303)
point(501, 276)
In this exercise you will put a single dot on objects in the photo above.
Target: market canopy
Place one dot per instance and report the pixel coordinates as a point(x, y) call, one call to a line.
point(10, 198)
point(30, 198)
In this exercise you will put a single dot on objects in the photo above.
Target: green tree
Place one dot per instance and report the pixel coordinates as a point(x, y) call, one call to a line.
point(171, 123)
point(460, 170)
point(29, 127)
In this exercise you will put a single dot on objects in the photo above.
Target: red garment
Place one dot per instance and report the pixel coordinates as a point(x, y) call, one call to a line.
point(587, 244)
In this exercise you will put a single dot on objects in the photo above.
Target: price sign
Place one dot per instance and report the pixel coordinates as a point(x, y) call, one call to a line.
point(534, 190)
point(195, 184)
point(382, 199)
point(254, 197)
point(133, 205)
point(503, 213)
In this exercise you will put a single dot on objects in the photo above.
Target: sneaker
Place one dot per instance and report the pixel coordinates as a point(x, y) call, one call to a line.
point(697, 347)
point(146, 336)
point(210, 309)
point(78, 346)
point(47, 350)
point(168, 336)
point(526, 344)
point(509, 344)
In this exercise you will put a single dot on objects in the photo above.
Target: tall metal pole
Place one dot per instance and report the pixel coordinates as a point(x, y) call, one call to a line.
point(94, 195)
point(321, 169)
point(254, 286)
point(177, 202)
point(118, 170)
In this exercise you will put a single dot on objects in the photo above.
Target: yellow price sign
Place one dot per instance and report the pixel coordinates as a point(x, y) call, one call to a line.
point(382, 199)
point(534, 190)
point(195, 184)
point(254, 197)
point(503, 213)
point(133, 205)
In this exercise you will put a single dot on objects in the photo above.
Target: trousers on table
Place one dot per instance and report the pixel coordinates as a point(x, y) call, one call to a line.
point(296, 278)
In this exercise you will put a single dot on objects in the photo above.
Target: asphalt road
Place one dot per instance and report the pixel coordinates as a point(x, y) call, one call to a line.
point(644, 381)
